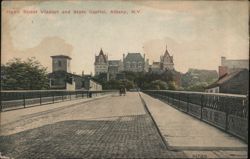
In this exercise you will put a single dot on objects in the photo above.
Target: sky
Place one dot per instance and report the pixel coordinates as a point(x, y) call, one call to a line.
point(196, 33)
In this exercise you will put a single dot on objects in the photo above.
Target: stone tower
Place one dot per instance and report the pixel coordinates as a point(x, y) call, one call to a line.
point(166, 61)
point(101, 63)
point(61, 63)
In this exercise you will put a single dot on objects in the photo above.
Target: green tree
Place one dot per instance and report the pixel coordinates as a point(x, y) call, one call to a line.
point(24, 75)
point(172, 85)
point(158, 85)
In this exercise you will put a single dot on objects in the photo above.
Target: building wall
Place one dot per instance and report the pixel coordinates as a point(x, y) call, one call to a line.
point(229, 66)
point(101, 63)
point(94, 86)
point(237, 85)
point(213, 90)
point(166, 62)
point(134, 66)
point(64, 80)
point(234, 63)
point(101, 68)
point(70, 87)
point(60, 64)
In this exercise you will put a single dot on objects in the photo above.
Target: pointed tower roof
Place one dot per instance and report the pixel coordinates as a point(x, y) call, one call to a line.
point(101, 52)
point(166, 54)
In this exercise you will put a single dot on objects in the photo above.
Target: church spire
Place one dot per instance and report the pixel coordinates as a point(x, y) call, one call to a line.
point(166, 52)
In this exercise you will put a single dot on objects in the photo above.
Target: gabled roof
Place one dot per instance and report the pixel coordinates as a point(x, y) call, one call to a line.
point(101, 54)
point(134, 57)
point(225, 78)
point(166, 54)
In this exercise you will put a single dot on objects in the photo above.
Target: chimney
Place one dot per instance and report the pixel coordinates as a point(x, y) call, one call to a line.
point(83, 73)
point(123, 57)
point(223, 59)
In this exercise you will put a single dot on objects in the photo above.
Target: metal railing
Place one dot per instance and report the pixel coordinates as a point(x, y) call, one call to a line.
point(20, 99)
point(228, 112)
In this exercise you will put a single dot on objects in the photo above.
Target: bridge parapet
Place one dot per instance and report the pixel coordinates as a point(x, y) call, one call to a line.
point(21, 99)
point(228, 112)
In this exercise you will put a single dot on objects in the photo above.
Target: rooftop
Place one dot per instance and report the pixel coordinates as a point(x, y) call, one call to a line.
point(64, 56)
point(134, 56)
point(225, 78)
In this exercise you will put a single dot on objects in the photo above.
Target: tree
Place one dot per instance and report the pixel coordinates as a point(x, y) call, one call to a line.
point(172, 85)
point(24, 75)
point(158, 85)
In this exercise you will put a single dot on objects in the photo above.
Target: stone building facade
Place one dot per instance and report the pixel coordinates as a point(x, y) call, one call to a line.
point(166, 63)
point(61, 63)
point(135, 62)
point(115, 67)
point(101, 63)
point(62, 78)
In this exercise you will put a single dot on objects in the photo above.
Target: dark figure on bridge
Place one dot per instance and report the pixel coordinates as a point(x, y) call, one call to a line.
point(90, 94)
point(122, 91)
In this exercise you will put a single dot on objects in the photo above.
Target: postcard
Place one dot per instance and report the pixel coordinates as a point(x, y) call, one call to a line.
point(124, 79)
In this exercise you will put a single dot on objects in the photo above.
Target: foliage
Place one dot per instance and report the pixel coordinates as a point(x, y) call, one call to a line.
point(24, 75)
point(196, 80)
point(172, 85)
point(197, 88)
point(141, 80)
point(158, 85)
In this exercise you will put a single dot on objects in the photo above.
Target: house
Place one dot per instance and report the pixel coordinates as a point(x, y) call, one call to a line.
point(236, 82)
point(62, 78)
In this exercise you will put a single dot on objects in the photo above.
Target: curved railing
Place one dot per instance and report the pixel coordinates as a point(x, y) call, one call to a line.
point(21, 99)
point(228, 112)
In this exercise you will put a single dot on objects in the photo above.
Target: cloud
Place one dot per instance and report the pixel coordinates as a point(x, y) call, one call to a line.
point(48, 46)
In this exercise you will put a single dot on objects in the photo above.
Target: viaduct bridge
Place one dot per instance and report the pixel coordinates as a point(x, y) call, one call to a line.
point(103, 124)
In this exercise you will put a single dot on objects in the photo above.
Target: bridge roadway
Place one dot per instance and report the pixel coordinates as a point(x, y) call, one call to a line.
point(112, 127)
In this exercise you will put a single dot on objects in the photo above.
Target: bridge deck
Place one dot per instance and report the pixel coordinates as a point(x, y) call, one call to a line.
point(186, 133)
point(111, 127)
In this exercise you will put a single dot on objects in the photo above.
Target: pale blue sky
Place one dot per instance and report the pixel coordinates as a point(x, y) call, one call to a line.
point(197, 32)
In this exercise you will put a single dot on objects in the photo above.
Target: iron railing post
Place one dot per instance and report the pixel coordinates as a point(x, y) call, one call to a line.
point(24, 102)
point(40, 98)
point(53, 97)
point(226, 111)
point(179, 101)
point(202, 96)
point(1, 104)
